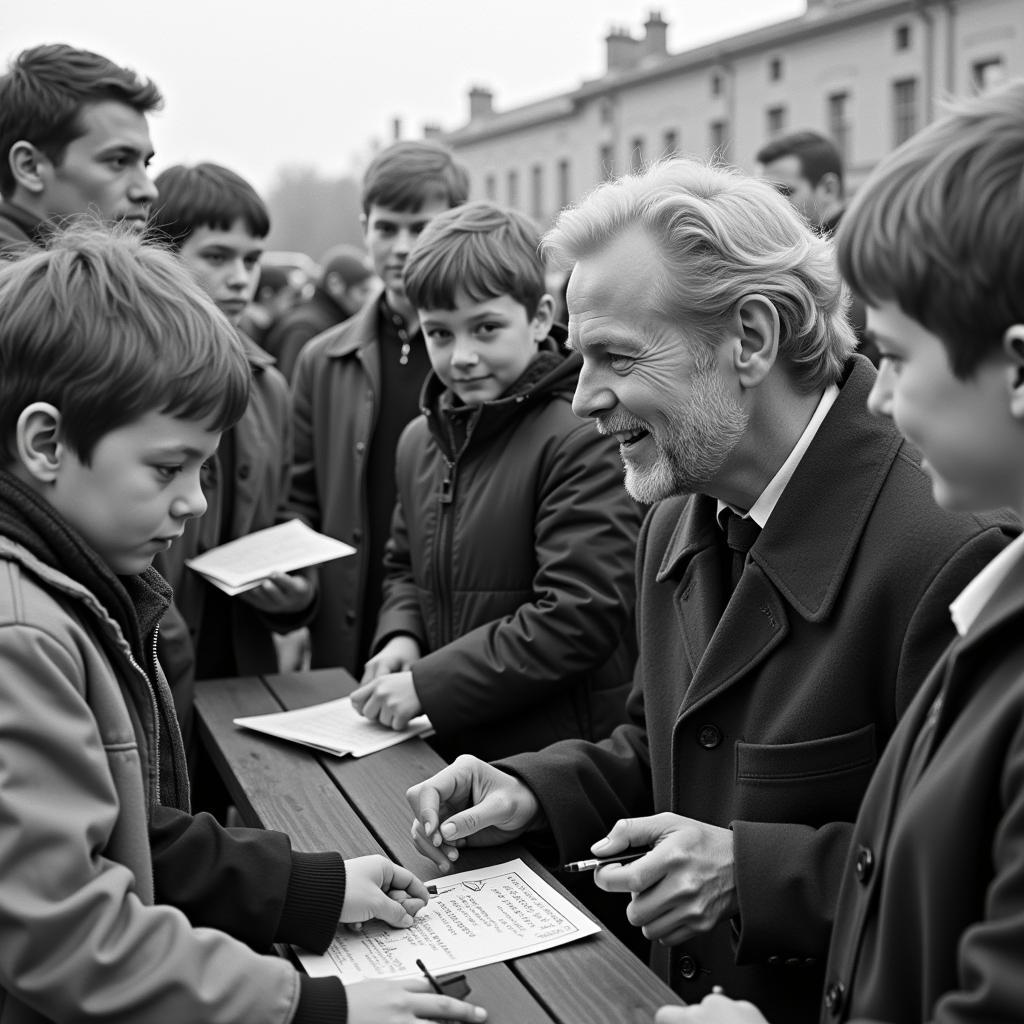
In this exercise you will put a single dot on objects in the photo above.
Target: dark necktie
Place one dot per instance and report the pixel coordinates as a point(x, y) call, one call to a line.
point(740, 534)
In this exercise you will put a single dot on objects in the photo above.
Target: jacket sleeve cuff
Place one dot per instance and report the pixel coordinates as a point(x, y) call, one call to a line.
point(321, 1001)
point(312, 906)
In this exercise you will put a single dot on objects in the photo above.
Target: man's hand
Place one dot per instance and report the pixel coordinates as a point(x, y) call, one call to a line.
point(684, 886)
point(397, 655)
point(470, 802)
point(375, 887)
point(405, 1002)
point(281, 593)
point(713, 1009)
point(391, 700)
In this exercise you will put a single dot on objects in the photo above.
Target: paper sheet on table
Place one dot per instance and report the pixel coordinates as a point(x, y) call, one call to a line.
point(243, 563)
point(476, 918)
point(334, 726)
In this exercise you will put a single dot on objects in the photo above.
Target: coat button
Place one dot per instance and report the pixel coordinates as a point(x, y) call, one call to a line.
point(688, 967)
point(350, 617)
point(864, 864)
point(709, 736)
point(357, 536)
point(244, 470)
point(774, 961)
point(360, 447)
point(834, 995)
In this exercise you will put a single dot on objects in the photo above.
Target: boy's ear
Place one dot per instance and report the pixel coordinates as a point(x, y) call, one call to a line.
point(1013, 349)
point(37, 440)
point(544, 318)
point(24, 160)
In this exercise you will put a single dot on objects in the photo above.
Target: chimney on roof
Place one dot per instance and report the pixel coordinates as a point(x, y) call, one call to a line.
point(655, 35)
point(623, 50)
point(481, 102)
point(432, 130)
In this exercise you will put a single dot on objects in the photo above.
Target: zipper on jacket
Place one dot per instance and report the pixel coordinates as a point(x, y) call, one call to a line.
point(155, 759)
point(443, 552)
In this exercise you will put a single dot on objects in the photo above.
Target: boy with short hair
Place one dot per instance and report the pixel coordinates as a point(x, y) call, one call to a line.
point(74, 139)
point(116, 378)
point(508, 604)
point(930, 920)
point(217, 222)
point(355, 387)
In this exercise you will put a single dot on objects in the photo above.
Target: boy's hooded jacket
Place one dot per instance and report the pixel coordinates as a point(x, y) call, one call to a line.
point(511, 561)
point(109, 890)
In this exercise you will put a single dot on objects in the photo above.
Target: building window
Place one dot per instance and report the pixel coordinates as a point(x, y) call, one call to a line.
point(636, 155)
point(718, 141)
point(716, 84)
point(839, 123)
point(606, 111)
point(775, 122)
point(491, 187)
point(670, 143)
point(537, 190)
point(902, 37)
point(606, 162)
point(775, 69)
point(564, 187)
point(988, 73)
point(904, 109)
point(513, 189)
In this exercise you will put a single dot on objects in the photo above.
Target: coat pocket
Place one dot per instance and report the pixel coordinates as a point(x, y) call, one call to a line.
point(812, 782)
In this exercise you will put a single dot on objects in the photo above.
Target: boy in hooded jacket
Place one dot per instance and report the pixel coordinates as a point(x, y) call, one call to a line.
point(508, 600)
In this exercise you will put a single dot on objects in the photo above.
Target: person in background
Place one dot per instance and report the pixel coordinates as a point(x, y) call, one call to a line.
point(347, 281)
point(355, 388)
point(74, 138)
point(117, 376)
point(277, 291)
point(793, 583)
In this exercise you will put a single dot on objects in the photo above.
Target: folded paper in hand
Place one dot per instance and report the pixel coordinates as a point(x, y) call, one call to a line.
point(243, 564)
point(335, 727)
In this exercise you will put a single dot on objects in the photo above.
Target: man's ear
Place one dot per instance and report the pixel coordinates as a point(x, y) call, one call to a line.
point(543, 319)
point(1013, 349)
point(830, 185)
point(37, 441)
point(25, 163)
point(364, 224)
point(756, 347)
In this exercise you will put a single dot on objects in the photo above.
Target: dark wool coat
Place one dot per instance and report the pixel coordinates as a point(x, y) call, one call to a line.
point(930, 923)
point(769, 717)
point(511, 561)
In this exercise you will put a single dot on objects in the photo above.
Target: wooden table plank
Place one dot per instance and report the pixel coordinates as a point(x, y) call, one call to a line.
point(619, 986)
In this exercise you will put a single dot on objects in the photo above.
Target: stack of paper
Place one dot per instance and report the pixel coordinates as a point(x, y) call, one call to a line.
point(243, 564)
point(335, 727)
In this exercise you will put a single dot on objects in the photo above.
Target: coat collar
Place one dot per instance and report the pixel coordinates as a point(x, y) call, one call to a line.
point(357, 332)
point(259, 358)
point(806, 556)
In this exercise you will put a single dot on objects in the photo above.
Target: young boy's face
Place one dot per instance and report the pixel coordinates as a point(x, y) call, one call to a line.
point(141, 487)
point(390, 236)
point(225, 264)
point(964, 428)
point(105, 170)
point(479, 348)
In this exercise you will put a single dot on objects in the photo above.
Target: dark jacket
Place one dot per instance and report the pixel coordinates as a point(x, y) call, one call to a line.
point(769, 717)
point(336, 392)
point(930, 922)
point(20, 231)
point(294, 327)
point(511, 561)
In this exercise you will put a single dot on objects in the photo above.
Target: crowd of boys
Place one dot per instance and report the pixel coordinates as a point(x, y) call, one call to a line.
point(795, 678)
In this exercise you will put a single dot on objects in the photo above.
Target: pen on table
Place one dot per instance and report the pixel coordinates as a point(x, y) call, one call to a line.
point(616, 858)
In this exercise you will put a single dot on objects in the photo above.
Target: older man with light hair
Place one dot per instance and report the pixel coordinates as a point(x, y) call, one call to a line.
point(793, 583)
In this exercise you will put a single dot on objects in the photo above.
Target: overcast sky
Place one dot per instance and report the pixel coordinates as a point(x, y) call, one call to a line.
point(258, 84)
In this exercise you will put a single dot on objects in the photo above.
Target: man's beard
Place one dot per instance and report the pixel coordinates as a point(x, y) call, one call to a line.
point(692, 444)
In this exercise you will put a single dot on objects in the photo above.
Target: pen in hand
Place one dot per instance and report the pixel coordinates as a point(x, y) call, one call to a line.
point(592, 863)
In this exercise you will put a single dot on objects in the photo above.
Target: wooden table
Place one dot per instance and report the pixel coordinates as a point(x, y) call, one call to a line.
point(358, 806)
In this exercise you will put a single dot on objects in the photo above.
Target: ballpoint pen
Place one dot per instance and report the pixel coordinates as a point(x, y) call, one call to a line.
point(457, 987)
point(616, 858)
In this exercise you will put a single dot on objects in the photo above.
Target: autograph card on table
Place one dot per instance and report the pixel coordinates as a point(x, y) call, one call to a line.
point(476, 918)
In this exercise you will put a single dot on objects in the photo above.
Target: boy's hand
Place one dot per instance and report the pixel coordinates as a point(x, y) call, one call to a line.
point(713, 1009)
point(377, 888)
point(405, 1002)
point(281, 593)
point(471, 802)
point(397, 655)
point(391, 700)
point(683, 887)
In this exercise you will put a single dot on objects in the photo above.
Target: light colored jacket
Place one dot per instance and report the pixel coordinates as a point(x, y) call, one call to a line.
point(80, 936)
